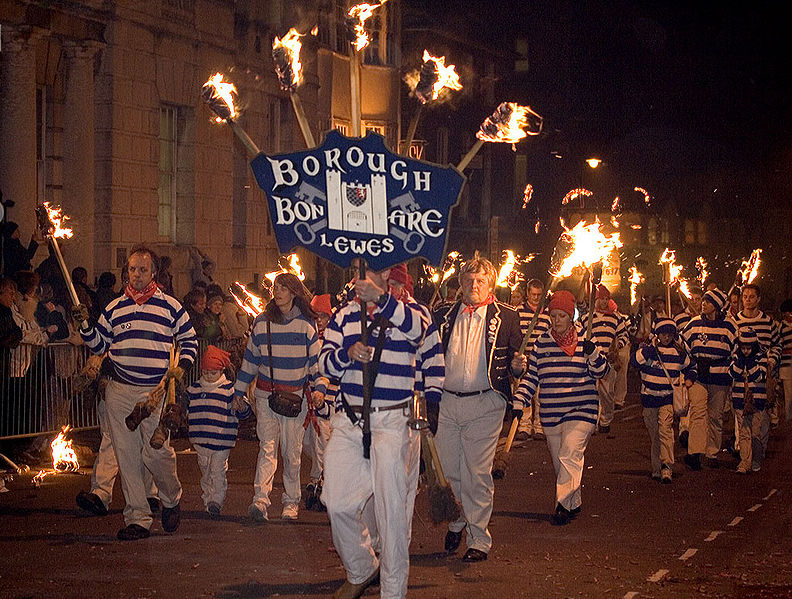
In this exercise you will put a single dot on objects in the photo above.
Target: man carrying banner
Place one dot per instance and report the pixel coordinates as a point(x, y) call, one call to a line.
point(352, 480)
point(481, 338)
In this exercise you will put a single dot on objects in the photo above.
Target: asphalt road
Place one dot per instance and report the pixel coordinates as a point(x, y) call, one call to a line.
point(710, 534)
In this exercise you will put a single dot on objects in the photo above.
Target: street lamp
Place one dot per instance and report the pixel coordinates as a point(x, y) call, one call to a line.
point(593, 162)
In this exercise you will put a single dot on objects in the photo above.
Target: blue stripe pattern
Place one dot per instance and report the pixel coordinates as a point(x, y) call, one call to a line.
point(786, 343)
point(766, 330)
point(213, 423)
point(542, 323)
point(756, 381)
point(139, 338)
point(711, 340)
point(569, 390)
point(430, 366)
point(656, 390)
point(396, 378)
point(605, 329)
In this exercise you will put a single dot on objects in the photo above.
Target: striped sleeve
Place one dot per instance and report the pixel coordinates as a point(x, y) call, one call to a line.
point(185, 335)
point(786, 344)
point(430, 366)
point(250, 361)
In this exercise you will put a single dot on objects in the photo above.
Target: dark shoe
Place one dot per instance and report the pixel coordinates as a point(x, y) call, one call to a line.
point(683, 439)
point(539, 436)
point(474, 555)
point(90, 502)
point(171, 517)
point(213, 508)
point(604, 429)
point(452, 541)
point(310, 496)
point(561, 517)
point(575, 512)
point(353, 591)
point(693, 460)
point(713, 463)
point(154, 504)
point(133, 532)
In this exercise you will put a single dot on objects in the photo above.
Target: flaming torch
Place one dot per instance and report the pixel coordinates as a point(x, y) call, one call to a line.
point(449, 268)
point(636, 278)
point(64, 459)
point(573, 194)
point(749, 269)
point(51, 221)
point(286, 55)
point(647, 197)
point(527, 195)
point(671, 273)
point(510, 123)
point(252, 304)
point(701, 266)
point(220, 95)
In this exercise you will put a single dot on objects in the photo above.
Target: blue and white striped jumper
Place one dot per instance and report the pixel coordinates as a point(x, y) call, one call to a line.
point(605, 329)
point(295, 345)
point(766, 329)
point(786, 344)
point(656, 390)
point(139, 337)
point(752, 373)
point(526, 313)
point(213, 422)
point(396, 378)
point(711, 340)
point(682, 319)
point(430, 366)
point(569, 390)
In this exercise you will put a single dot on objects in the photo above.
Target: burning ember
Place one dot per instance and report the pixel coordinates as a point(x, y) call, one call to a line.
point(615, 204)
point(527, 195)
point(509, 124)
point(362, 12)
point(64, 459)
point(220, 96)
point(252, 303)
point(614, 221)
point(286, 54)
point(536, 226)
point(57, 220)
point(573, 194)
point(435, 76)
point(645, 194)
point(701, 266)
point(587, 246)
point(636, 278)
point(748, 270)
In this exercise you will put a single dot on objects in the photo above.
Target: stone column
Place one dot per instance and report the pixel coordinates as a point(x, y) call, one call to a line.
point(78, 152)
point(18, 179)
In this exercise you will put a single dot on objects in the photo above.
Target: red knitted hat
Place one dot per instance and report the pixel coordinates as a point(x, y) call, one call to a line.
point(603, 292)
point(399, 274)
point(563, 300)
point(215, 358)
point(321, 304)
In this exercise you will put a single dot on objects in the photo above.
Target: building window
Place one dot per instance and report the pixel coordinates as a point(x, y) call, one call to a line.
point(690, 232)
point(167, 170)
point(341, 126)
point(652, 233)
point(176, 187)
point(374, 127)
point(702, 232)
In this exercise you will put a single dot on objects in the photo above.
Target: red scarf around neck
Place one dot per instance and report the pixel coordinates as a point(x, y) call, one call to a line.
point(470, 308)
point(141, 297)
point(567, 341)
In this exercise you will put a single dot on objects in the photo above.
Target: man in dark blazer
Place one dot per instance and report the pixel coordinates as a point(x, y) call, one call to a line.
point(481, 338)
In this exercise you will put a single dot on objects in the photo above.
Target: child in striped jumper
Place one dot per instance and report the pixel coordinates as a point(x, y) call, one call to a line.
point(214, 415)
point(657, 394)
point(748, 370)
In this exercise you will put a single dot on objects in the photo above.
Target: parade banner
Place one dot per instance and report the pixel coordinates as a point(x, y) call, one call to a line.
point(353, 198)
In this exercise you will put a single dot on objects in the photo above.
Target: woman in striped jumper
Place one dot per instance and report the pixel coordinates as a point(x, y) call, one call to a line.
point(214, 415)
point(748, 370)
point(287, 325)
point(566, 366)
point(660, 363)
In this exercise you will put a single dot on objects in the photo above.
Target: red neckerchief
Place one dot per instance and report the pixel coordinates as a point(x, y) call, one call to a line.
point(370, 309)
point(470, 308)
point(567, 341)
point(141, 297)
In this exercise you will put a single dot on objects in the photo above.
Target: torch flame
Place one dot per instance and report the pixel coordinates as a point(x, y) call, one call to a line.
point(645, 194)
point(57, 218)
point(674, 271)
point(588, 246)
point(615, 204)
point(509, 124)
point(527, 195)
point(286, 54)
point(436, 74)
point(293, 267)
point(701, 265)
point(252, 303)
point(506, 269)
point(750, 269)
point(219, 94)
point(362, 12)
point(63, 457)
point(574, 194)
point(614, 221)
point(536, 226)
point(636, 278)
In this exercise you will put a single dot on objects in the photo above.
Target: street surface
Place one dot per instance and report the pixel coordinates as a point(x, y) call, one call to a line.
point(710, 534)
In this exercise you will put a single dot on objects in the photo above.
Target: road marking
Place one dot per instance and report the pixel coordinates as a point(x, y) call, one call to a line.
point(736, 521)
point(770, 494)
point(755, 507)
point(657, 576)
point(713, 535)
point(688, 554)
point(630, 595)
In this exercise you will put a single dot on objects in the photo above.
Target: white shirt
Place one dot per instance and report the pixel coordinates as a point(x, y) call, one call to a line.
point(466, 356)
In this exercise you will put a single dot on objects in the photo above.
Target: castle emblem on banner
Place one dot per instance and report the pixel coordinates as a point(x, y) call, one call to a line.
point(357, 207)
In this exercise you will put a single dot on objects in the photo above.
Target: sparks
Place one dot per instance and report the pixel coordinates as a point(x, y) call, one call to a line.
point(220, 96)
point(536, 226)
point(588, 246)
point(362, 12)
point(286, 54)
point(435, 76)
point(57, 220)
point(573, 194)
point(701, 266)
point(749, 269)
point(645, 193)
point(636, 278)
point(615, 204)
point(509, 124)
point(527, 195)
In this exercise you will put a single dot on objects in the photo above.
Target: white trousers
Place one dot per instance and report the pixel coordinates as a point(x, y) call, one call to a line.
point(620, 386)
point(105, 467)
point(467, 435)
point(530, 422)
point(273, 430)
point(314, 445)
point(659, 423)
point(705, 418)
point(134, 454)
point(754, 433)
point(567, 444)
point(214, 465)
point(605, 388)
point(389, 479)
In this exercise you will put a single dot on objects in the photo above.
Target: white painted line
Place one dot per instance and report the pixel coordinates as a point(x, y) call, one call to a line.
point(770, 494)
point(736, 521)
point(713, 535)
point(688, 554)
point(630, 417)
point(657, 576)
point(630, 595)
point(755, 507)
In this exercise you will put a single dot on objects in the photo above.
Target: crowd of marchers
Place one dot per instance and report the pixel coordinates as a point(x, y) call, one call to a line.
point(334, 379)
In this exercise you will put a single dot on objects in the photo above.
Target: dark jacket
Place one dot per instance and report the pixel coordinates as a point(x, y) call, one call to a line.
point(505, 321)
point(17, 257)
point(10, 333)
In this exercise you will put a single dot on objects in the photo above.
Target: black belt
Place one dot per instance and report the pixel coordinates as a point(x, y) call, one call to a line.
point(467, 393)
point(375, 409)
